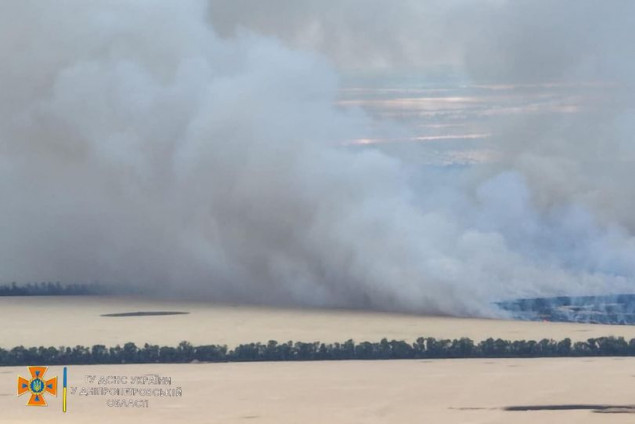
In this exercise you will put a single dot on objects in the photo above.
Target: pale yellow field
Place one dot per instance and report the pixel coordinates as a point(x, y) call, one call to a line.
point(69, 321)
point(441, 391)
point(416, 391)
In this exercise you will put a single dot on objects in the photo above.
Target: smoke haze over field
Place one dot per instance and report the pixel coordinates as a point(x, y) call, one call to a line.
point(195, 148)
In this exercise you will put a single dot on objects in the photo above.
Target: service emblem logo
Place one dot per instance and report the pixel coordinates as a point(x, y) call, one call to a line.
point(37, 386)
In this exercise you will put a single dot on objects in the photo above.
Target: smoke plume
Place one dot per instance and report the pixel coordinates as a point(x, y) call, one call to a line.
point(194, 148)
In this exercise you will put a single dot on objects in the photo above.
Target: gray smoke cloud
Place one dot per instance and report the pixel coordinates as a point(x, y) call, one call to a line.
point(193, 148)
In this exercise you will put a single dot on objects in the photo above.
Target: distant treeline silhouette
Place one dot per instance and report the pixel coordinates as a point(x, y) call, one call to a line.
point(59, 289)
point(423, 348)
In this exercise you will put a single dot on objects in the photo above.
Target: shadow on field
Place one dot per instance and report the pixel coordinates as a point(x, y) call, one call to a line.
point(606, 409)
point(600, 409)
point(145, 314)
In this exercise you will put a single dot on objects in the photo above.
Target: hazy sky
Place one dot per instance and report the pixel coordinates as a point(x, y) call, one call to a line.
point(510, 40)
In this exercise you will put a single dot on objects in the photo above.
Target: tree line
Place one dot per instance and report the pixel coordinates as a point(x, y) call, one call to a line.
point(424, 347)
point(48, 288)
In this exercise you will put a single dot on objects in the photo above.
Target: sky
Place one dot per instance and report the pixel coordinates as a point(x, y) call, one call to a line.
point(417, 156)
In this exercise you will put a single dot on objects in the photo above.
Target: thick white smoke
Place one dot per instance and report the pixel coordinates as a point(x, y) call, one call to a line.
point(138, 147)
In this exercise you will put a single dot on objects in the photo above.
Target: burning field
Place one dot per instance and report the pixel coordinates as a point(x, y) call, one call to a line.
point(613, 309)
